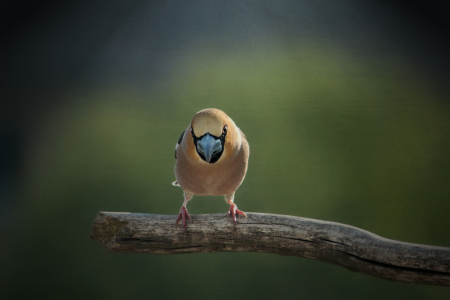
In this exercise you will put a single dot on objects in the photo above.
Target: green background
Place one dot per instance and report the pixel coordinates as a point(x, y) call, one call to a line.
point(326, 143)
point(360, 138)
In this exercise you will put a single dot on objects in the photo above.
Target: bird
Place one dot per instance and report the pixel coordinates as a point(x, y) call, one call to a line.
point(211, 159)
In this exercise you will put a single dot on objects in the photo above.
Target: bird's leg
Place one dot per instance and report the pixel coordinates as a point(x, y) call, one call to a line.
point(233, 211)
point(183, 211)
point(183, 214)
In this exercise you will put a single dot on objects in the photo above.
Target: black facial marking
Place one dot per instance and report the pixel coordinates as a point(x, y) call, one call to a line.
point(222, 141)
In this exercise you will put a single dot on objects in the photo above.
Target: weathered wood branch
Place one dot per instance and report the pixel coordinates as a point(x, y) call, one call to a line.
point(340, 244)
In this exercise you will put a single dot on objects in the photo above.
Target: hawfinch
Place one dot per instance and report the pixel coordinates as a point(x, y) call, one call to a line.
point(212, 159)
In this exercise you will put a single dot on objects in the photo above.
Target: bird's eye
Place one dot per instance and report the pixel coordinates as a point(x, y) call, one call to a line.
point(192, 131)
point(225, 130)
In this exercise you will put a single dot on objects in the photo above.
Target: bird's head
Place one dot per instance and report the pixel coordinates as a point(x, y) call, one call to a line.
point(213, 135)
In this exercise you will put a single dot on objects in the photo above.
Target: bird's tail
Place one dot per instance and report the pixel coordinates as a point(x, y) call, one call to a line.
point(175, 183)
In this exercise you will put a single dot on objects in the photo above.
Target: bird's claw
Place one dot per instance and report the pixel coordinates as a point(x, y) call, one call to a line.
point(233, 211)
point(182, 215)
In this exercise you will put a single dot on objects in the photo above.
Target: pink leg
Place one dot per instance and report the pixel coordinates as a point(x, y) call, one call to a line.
point(183, 212)
point(233, 211)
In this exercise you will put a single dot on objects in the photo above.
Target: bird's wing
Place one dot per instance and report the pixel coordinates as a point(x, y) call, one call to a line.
point(179, 142)
point(242, 134)
point(175, 183)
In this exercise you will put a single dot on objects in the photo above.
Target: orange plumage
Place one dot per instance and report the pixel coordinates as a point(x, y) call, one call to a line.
point(212, 159)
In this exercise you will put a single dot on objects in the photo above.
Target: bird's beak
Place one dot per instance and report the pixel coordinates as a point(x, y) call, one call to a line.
point(208, 146)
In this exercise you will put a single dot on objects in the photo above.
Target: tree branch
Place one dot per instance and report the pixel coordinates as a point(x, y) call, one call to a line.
point(347, 246)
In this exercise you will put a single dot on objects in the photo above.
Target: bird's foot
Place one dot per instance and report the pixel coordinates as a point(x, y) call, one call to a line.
point(183, 214)
point(233, 211)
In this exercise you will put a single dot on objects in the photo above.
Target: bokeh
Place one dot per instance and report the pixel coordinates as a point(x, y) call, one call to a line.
point(346, 112)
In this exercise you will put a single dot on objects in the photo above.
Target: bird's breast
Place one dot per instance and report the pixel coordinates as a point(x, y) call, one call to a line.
point(220, 178)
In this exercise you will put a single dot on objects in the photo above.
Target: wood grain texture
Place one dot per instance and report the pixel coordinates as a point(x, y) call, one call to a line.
point(340, 244)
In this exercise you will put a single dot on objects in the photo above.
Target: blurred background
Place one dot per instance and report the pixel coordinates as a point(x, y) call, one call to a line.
point(345, 105)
